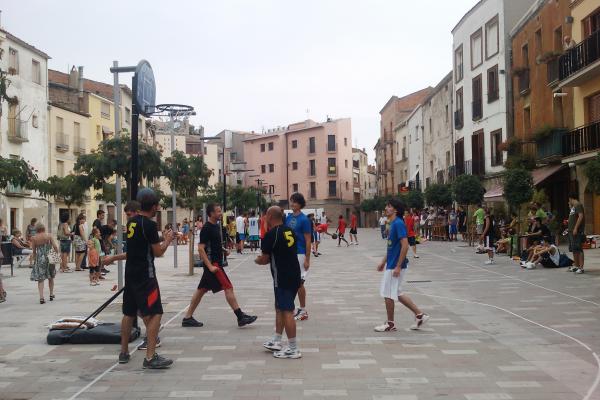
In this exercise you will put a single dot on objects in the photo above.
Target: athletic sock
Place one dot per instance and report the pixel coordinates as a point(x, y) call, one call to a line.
point(292, 343)
point(238, 313)
point(277, 338)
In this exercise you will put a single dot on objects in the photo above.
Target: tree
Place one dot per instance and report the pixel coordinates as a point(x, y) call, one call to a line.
point(438, 195)
point(518, 187)
point(592, 171)
point(186, 174)
point(413, 199)
point(113, 157)
point(16, 172)
point(71, 188)
point(467, 189)
point(377, 203)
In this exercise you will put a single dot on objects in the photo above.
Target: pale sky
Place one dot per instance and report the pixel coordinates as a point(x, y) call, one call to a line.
point(254, 64)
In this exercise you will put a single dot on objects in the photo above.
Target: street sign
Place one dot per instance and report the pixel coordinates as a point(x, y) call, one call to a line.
point(146, 88)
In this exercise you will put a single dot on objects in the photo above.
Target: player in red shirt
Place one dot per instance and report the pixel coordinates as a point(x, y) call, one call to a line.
point(341, 230)
point(353, 229)
point(409, 221)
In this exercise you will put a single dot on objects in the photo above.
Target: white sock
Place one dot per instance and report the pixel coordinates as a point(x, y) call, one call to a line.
point(276, 338)
point(292, 343)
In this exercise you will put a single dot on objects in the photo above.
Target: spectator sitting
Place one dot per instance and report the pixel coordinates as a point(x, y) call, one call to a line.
point(19, 245)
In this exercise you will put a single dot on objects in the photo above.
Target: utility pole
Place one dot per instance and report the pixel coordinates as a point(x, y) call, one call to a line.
point(117, 102)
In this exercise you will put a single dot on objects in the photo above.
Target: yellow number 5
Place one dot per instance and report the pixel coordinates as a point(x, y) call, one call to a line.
point(130, 231)
point(289, 237)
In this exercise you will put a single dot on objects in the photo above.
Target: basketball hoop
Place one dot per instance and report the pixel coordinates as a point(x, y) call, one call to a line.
point(170, 110)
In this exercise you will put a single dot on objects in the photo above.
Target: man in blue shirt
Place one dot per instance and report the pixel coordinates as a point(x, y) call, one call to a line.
point(395, 264)
point(300, 224)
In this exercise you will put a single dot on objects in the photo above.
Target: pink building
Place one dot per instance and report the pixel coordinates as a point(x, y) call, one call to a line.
point(312, 158)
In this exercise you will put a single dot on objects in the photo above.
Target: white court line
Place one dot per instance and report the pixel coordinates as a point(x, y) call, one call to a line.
point(516, 279)
point(592, 388)
point(103, 374)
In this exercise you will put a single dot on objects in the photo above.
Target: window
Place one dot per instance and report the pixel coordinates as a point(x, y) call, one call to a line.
point(262, 147)
point(13, 61)
point(538, 42)
point(458, 114)
point(233, 156)
point(263, 169)
point(492, 38)
point(331, 168)
point(525, 55)
point(105, 110)
point(558, 39)
point(60, 168)
point(345, 141)
point(458, 64)
point(345, 163)
point(60, 128)
point(476, 49)
point(270, 146)
point(496, 139)
point(294, 144)
point(312, 168)
point(313, 190)
point(205, 150)
point(477, 98)
point(446, 113)
point(447, 159)
point(36, 72)
point(527, 121)
point(34, 121)
point(347, 186)
point(330, 142)
point(430, 129)
point(271, 167)
point(492, 82)
point(127, 115)
point(311, 145)
point(294, 187)
point(332, 188)
point(271, 189)
point(295, 165)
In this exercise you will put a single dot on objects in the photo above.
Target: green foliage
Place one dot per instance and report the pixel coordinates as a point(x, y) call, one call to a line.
point(543, 132)
point(113, 157)
point(467, 189)
point(4, 84)
point(438, 195)
point(539, 196)
point(592, 171)
point(520, 161)
point(413, 199)
point(377, 203)
point(16, 172)
point(518, 186)
point(242, 198)
point(186, 174)
point(71, 188)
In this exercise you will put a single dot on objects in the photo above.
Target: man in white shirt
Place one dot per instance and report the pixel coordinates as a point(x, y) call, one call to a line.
point(253, 231)
point(382, 221)
point(241, 232)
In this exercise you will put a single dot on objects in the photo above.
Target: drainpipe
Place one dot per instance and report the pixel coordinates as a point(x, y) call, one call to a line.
point(287, 170)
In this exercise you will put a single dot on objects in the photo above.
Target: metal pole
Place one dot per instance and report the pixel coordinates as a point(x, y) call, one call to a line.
point(117, 101)
point(224, 181)
point(135, 115)
point(173, 195)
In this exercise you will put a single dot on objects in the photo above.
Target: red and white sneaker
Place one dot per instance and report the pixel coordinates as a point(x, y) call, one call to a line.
point(420, 320)
point(387, 326)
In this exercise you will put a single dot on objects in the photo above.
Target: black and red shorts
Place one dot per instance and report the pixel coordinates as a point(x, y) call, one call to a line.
point(215, 281)
point(142, 298)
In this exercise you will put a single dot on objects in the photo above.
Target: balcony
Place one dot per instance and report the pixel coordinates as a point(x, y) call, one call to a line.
point(553, 72)
point(549, 148)
point(475, 167)
point(581, 140)
point(331, 170)
point(312, 172)
point(458, 119)
point(581, 63)
point(15, 190)
point(477, 109)
point(524, 86)
point(451, 173)
point(79, 147)
point(17, 130)
point(332, 148)
point(62, 142)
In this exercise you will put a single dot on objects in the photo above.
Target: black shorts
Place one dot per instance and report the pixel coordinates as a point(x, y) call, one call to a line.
point(215, 282)
point(142, 297)
point(284, 299)
point(412, 241)
point(353, 231)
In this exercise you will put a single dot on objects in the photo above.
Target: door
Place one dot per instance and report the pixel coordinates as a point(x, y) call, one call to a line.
point(477, 153)
point(596, 211)
point(593, 108)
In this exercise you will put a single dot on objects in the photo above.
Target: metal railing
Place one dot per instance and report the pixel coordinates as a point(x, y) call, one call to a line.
point(524, 82)
point(550, 147)
point(17, 130)
point(582, 139)
point(62, 142)
point(580, 56)
point(458, 119)
point(16, 190)
point(451, 173)
point(79, 147)
point(331, 170)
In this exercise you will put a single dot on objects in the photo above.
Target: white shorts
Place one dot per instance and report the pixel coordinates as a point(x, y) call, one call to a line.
point(303, 272)
point(391, 286)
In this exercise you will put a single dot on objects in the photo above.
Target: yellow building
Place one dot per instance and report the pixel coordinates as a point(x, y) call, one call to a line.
point(579, 68)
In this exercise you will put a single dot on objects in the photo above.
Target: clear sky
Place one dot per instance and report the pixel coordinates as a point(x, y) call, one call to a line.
point(254, 64)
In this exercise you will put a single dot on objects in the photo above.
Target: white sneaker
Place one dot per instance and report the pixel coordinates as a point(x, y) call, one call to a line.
point(578, 271)
point(572, 268)
point(287, 353)
point(419, 322)
point(416, 256)
point(387, 326)
point(490, 262)
point(272, 345)
point(530, 265)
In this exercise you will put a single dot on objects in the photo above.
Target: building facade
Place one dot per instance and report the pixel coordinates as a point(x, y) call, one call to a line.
point(414, 130)
point(308, 157)
point(482, 104)
point(24, 126)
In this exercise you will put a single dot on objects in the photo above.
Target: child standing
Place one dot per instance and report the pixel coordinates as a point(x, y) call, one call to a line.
point(94, 251)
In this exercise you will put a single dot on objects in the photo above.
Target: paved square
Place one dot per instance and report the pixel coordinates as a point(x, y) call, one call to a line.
point(495, 333)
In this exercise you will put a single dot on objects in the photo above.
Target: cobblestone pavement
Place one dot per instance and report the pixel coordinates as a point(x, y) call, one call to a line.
point(495, 333)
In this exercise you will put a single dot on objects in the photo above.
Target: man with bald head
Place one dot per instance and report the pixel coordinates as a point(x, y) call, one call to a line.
point(279, 249)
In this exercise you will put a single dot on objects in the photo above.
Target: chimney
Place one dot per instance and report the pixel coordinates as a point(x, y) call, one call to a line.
point(80, 81)
point(73, 77)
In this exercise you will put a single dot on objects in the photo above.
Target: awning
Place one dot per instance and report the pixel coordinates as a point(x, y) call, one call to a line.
point(494, 194)
point(414, 176)
point(106, 130)
point(541, 174)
